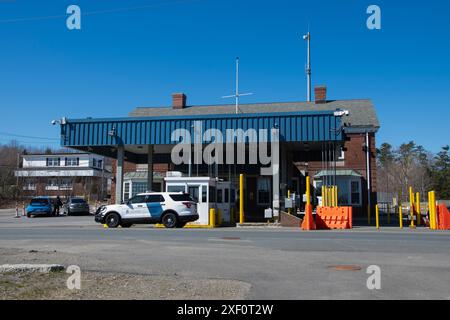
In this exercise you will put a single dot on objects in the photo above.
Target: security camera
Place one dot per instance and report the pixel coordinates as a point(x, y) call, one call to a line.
point(305, 37)
point(54, 122)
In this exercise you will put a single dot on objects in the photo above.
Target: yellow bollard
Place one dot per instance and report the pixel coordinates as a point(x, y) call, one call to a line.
point(212, 217)
point(377, 217)
point(336, 195)
point(429, 211)
point(411, 207)
point(308, 192)
point(241, 198)
point(400, 215)
point(418, 208)
point(433, 210)
point(323, 197)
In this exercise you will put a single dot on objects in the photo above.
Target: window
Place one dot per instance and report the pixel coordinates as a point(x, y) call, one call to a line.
point(39, 202)
point(100, 164)
point(227, 195)
point(137, 199)
point(204, 192)
point(341, 155)
point(94, 163)
point(66, 184)
point(181, 197)
point(138, 187)
point(194, 192)
point(126, 188)
point(212, 194)
point(53, 162)
point(233, 197)
point(52, 182)
point(355, 192)
point(263, 191)
point(176, 189)
point(155, 198)
point(29, 185)
point(72, 162)
point(343, 188)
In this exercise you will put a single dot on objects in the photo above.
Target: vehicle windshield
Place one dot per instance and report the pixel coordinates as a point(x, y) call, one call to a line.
point(181, 197)
point(77, 201)
point(39, 202)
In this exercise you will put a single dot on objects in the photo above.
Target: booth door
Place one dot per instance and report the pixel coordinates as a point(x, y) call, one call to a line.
point(199, 194)
point(223, 202)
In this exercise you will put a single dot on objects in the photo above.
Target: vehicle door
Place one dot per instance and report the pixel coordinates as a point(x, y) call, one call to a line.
point(155, 205)
point(136, 208)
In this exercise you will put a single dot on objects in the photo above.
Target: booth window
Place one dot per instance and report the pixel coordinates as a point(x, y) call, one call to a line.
point(194, 192)
point(219, 196)
point(176, 189)
point(204, 193)
point(212, 194)
point(263, 193)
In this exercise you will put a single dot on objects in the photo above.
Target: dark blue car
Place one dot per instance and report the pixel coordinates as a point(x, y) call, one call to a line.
point(40, 206)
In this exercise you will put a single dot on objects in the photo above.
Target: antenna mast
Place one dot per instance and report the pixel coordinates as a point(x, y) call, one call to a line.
point(237, 94)
point(307, 37)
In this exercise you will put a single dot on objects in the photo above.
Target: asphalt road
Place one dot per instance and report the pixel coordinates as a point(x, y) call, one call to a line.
point(277, 263)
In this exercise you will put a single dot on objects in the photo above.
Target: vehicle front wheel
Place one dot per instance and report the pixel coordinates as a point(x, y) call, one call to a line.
point(170, 220)
point(112, 220)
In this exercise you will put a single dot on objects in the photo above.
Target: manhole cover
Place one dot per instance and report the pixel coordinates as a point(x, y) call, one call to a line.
point(231, 238)
point(345, 268)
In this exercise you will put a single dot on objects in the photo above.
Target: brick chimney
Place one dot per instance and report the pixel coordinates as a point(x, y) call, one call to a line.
point(178, 100)
point(320, 94)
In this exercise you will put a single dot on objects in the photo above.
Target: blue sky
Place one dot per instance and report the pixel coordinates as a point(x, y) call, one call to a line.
point(128, 58)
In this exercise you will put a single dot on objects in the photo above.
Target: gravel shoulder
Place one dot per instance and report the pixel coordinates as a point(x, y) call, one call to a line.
point(109, 285)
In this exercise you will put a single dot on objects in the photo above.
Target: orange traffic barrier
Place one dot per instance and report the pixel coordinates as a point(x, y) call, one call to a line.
point(308, 221)
point(443, 217)
point(334, 218)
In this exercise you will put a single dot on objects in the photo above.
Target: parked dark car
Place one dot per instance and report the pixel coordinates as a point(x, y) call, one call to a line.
point(76, 206)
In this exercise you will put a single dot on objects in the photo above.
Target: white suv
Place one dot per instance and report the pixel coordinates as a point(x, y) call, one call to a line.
point(172, 209)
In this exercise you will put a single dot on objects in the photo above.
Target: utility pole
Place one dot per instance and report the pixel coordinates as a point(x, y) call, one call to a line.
point(307, 38)
point(237, 94)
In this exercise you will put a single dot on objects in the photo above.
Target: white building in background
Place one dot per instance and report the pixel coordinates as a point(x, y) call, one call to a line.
point(65, 174)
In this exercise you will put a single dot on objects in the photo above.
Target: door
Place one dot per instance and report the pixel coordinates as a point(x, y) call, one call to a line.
point(200, 194)
point(136, 208)
point(155, 206)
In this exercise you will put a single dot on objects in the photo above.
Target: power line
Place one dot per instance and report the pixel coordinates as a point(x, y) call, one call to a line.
point(148, 6)
point(23, 136)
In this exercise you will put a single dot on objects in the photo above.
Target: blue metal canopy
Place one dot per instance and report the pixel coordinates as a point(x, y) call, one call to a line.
point(294, 127)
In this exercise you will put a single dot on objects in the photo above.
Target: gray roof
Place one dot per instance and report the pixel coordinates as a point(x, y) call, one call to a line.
point(361, 112)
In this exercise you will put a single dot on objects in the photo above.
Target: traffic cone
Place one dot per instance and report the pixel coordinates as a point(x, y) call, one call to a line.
point(308, 221)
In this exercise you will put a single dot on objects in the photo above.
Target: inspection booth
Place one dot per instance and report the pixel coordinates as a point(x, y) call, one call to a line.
point(209, 193)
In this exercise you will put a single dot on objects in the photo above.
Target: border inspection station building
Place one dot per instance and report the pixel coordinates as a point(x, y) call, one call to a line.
point(331, 141)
